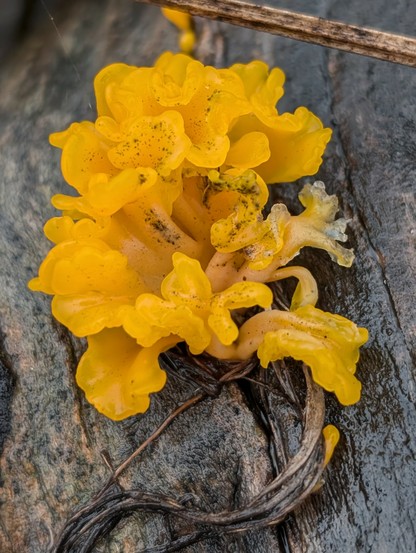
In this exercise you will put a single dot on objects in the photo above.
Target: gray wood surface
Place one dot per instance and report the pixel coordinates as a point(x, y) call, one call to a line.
point(51, 439)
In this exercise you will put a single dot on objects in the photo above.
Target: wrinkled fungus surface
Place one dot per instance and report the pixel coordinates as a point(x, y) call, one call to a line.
point(167, 237)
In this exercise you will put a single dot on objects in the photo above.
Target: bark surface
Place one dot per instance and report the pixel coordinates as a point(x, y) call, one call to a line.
point(216, 454)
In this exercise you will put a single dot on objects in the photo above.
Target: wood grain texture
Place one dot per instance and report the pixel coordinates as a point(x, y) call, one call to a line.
point(52, 440)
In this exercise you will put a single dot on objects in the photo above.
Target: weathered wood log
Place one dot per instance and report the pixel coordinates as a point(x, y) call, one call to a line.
point(216, 455)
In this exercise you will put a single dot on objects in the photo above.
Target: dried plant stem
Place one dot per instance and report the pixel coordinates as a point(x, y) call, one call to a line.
point(237, 372)
point(316, 30)
point(186, 405)
point(233, 374)
point(286, 491)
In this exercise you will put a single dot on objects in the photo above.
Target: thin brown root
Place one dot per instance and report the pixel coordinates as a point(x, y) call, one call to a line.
point(292, 483)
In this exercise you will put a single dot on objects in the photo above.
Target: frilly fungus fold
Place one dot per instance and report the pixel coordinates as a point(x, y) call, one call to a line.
point(167, 239)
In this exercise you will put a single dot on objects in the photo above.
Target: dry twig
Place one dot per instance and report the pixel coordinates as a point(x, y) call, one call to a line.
point(316, 30)
point(285, 492)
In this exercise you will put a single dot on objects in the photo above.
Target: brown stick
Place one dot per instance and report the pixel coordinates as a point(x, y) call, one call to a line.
point(333, 34)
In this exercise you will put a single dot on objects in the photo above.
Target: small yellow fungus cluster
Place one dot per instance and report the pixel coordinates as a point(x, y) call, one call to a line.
point(167, 240)
point(183, 21)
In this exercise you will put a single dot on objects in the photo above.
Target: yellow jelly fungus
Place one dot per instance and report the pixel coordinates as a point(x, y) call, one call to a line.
point(244, 225)
point(329, 344)
point(189, 308)
point(167, 239)
point(117, 375)
point(84, 154)
point(331, 437)
point(61, 229)
point(106, 195)
point(165, 133)
point(91, 283)
point(263, 88)
point(315, 227)
point(296, 143)
point(261, 245)
point(183, 22)
point(306, 291)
